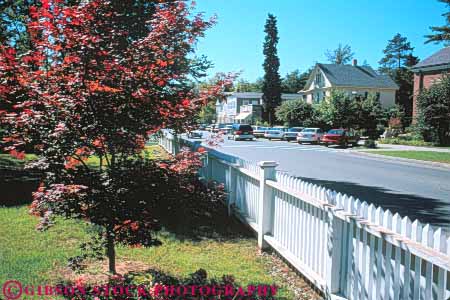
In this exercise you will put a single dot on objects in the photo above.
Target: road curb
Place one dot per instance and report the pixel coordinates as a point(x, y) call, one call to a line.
point(405, 160)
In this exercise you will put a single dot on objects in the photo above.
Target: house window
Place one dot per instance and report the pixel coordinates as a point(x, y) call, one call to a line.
point(318, 79)
point(317, 97)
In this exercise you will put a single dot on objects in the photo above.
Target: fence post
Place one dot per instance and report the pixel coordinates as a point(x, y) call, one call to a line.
point(208, 167)
point(265, 211)
point(334, 253)
point(232, 177)
point(176, 144)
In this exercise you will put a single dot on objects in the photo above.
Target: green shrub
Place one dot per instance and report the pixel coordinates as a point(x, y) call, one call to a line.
point(370, 144)
point(406, 142)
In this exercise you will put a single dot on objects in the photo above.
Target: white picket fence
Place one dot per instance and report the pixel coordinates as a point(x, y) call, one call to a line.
point(346, 248)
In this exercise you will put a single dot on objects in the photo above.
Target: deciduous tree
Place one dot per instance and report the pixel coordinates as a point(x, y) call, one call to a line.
point(339, 110)
point(295, 113)
point(434, 112)
point(101, 77)
point(341, 55)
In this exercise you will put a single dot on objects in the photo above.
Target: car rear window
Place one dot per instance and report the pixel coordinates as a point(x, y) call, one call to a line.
point(295, 129)
point(245, 128)
point(308, 130)
point(336, 131)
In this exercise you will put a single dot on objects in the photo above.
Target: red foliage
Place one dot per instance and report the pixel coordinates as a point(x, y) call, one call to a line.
point(92, 87)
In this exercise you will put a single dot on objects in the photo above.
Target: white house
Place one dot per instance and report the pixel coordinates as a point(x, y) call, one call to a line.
point(244, 107)
point(353, 79)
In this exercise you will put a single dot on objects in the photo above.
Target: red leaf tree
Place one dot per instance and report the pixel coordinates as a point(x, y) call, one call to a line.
point(102, 77)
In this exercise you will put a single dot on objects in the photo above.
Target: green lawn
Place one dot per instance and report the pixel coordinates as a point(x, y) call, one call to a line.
point(40, 257)
point(150, 152)
point(7, 161)
point(443, 157)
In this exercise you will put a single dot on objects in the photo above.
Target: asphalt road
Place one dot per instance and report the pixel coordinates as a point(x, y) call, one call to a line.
point(414, 190)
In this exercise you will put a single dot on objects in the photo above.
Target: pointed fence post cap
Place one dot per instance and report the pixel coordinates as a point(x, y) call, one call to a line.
point(268, 164)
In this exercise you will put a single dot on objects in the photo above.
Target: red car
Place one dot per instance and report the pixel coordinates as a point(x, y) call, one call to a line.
point(341, 137)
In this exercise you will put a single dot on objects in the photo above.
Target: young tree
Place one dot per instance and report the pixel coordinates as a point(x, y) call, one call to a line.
point(370, 115)
point(441, 33)
point(434, 112)
point(341, 55)
point(96, 86)
point(339, 110)
point(272, 82)
point(295, 113)
point(295, 81)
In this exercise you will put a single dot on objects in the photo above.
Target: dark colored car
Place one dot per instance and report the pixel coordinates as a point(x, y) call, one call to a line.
point(341, 137)
point(241, 132)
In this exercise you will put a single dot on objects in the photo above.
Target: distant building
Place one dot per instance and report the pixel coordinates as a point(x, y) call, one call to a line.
point(352, 79)
point(244, 107)
point(429, 71)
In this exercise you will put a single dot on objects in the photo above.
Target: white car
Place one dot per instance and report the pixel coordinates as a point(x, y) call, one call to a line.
point(275, 133)
point(310, 135)
point(291, 134)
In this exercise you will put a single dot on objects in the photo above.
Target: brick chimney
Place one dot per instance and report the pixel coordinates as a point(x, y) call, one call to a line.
point(355, 62)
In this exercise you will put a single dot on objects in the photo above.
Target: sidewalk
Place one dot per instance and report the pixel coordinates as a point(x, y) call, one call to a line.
point(384, 147)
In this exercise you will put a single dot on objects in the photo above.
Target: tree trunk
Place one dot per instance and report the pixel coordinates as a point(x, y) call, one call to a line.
point(111, 252)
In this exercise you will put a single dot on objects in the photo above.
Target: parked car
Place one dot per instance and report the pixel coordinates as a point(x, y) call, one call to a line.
point(310, 135)
point(291, 134)
point(258, 131)
point(241, 132)
point(226, 130)
point(341, 137)
point(196, 134)
point(275, 133)
point(218, 127)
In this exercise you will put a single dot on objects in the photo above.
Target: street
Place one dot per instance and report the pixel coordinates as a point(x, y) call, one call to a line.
point(413, 190)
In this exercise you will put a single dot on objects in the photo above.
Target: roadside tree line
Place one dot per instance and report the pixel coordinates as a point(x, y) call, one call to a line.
point(339, 110)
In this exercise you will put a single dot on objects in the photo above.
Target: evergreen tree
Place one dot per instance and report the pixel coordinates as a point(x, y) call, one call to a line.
point(396, 63)
point(341, 55)
point(396, 54)
point(295, 81)
point(272, 82)
point(441, 33)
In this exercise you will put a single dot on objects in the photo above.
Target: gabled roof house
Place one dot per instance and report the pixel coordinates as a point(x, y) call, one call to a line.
point(353, 79)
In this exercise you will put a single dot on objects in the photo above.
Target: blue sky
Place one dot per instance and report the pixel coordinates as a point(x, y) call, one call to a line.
point(308, 28)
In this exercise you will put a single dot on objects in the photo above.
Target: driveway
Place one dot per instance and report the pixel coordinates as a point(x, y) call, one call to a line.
point(412, 190)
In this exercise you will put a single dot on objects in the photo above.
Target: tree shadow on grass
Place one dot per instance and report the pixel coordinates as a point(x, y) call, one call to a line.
point(202, 220)
point(426, 210)
point(17, 186)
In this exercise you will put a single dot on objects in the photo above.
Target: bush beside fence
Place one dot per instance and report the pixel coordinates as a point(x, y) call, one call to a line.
point(346, 248)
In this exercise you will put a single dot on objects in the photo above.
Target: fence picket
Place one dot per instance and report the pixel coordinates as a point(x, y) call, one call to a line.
point(417, 237)
point(440, 244)
point(387, 222)
point(427, 240)
point(406, 231)
point(397, 228)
